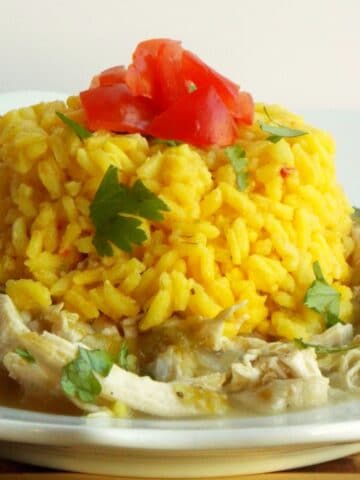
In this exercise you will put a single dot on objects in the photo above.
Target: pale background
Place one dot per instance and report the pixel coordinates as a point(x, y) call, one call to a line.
point(302, 53)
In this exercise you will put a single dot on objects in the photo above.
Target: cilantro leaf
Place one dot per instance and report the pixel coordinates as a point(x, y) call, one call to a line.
point(121, 231)
point(323, 349)
point(101, 361)
point(169, 143)
point(237, 156)
point(78, 379)
point(122, 359)
point(143, 202)
point(78, 129)
point(23, 353)
point(356, 214)
point(323, 298)
point(110, 210)
point(277, 131)
point(191, 87)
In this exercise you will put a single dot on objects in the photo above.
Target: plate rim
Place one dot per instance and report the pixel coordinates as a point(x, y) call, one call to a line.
point(209, 434)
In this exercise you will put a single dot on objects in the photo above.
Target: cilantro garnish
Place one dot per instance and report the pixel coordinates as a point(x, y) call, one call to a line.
point(237, 156)
point(356, 214)
point(110, 210)
point(322, 349)
point(169, 143)
point(191, 87)
point(323, 298)
point(78, 379)
point(23, 353)
point(123, 354)
point(78, 129)
point(277, 131)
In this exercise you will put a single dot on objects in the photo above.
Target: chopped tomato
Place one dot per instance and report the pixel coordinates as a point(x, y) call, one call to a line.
point(112, 75)
point(169, 75)
point(152, 96)
point(202, 75)
point(114, 108)
point(244, 108)
point(156, 71)
point(200, 118)
point(141, 74)
point(95, 82)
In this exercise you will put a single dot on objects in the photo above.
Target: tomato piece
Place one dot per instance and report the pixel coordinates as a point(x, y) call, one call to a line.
point(109, 77)
point(169, 76)
point(202, 75)
point(240, 103)
point(244, 108)
point(95, 82)
point(141, 74)
point(200, 118)
point(112, 75)
point(114, 108)
point(156, 71)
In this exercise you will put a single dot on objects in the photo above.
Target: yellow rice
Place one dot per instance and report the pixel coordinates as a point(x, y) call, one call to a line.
point(217, 246)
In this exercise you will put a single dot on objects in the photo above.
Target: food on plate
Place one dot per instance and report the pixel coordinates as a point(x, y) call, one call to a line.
point(168, 247)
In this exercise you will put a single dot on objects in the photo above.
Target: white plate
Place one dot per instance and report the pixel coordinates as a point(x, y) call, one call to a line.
point(193, 448)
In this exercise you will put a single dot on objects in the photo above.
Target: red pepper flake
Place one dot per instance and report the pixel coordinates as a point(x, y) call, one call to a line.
point(286, 171)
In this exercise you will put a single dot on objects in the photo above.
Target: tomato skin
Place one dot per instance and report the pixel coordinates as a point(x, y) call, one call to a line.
point(112, 75)
point(95, 82)
point(200, 118)
point(244, 108)
point(202, 75)
point(114, 108)
point(169, 75)
point(141, 74)
point(156, 72)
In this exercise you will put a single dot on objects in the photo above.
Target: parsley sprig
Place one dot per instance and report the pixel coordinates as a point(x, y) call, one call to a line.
point(322, 349)
point(112, 209)
point(323, 298)
point(356, 214)
point(78, 376)
point(78, 379)
point(25, 354)
point(122, 359)
point(277, 131)
point(168, 143)
point(237, 157)
point(78, 129)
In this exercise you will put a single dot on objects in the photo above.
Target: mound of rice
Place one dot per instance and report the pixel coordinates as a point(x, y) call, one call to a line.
point(217, 246)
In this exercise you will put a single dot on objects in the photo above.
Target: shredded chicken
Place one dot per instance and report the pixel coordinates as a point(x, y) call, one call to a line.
point(52, 353)
point(280, 395)
point(191, 377)
point(337, 335)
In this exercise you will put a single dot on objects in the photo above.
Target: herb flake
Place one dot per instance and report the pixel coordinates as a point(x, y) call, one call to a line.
point(122, 359)
point(237, 157)
point(356, 214)
point(25, 354)
point(168, 143)
point(323, 349)
point(323, 298)
point(78, 129)
point(191, 87)
point(110, 210)
point(78, 379)
point(277, 131)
